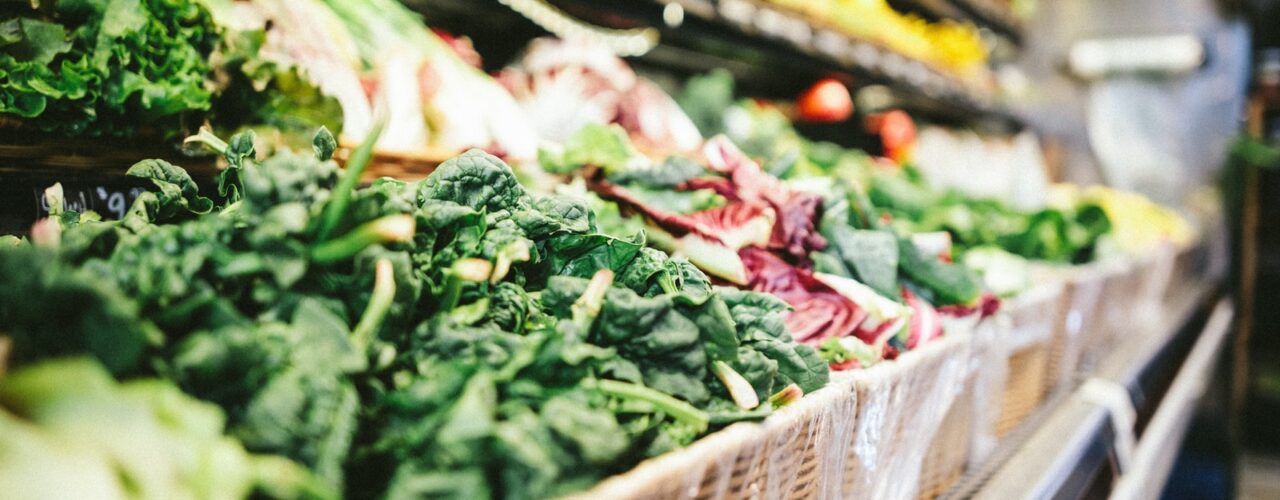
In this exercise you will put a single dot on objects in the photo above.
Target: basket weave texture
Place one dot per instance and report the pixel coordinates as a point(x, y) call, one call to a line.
point(948, 454)
point(865, 435)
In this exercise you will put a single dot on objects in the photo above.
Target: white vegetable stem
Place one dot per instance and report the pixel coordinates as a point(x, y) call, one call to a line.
point(739, 388)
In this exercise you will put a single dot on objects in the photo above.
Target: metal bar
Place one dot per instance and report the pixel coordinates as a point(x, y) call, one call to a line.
point(1152, 460)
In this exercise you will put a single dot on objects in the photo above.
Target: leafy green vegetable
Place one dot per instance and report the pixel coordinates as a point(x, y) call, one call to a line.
point(475, 179)
point(105, 67)
point(67, 428)
point(942, 283)
point(760, 323)
point(603, 146)
point(705, 99)
point(681, 202)
point(456, 337)
point(668, 173)
point(78, 313)
point(871, 257)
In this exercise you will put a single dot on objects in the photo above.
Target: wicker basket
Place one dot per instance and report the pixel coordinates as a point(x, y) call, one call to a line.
point(948, 454)
point(1034, 319)
point(864, 435)
point(1096, 318)
point(1025, 387)
point(1121, 299)
point(901, 405)
point(1080, 299)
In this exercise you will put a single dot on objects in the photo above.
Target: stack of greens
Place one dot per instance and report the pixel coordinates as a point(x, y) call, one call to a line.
point(456, 337)
point(1059, 235)
point(104, 67)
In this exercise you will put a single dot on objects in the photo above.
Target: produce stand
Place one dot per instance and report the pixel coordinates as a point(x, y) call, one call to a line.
point(1064, 385)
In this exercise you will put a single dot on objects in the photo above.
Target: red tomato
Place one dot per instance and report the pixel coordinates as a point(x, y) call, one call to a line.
point(826, 101)
point(897, 133)
point(898, 130)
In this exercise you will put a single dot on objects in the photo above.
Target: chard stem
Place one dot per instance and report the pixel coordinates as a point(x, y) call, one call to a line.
point(677, 409)
point(786, 396)
point(740, 389)
point(462, 271)
point(206, 137)
point(389, 229)
point(667, 283)
point(588, 306)
point(384, 294)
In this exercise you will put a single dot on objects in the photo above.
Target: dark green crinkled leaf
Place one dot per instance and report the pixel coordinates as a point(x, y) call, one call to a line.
point(323, 144)
point(475, 179)
point(583, 255)
point(177, 190)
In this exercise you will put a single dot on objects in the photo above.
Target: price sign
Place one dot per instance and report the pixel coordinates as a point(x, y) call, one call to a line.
point(22, 200)
point(109, 201)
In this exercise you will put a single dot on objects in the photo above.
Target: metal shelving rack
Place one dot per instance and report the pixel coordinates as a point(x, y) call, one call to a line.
point(983, 13)
point(771, 52)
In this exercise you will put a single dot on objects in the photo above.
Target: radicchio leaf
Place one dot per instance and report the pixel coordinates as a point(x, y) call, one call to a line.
point(819, 312)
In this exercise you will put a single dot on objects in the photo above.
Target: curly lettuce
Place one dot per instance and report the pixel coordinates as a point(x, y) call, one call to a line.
point(104, 68)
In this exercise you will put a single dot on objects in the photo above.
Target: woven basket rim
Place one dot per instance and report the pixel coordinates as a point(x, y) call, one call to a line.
point(746, 435)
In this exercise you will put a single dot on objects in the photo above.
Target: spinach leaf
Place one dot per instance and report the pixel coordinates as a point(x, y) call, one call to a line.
point(869, 256)
point(475, 179)
point(945, 283)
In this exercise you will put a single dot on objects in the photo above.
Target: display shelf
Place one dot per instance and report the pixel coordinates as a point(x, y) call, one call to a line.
point(1086, 445)
point(993, 15)
point(916, 83)
point(982, 13)
point(772, 53)
point(932, 10)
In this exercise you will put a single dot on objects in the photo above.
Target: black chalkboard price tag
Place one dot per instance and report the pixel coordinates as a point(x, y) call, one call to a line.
point(22, 200)
point(92, 173)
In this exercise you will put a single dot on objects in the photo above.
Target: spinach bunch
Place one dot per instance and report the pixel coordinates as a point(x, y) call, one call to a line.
point(1062, 235)
point(455, 337)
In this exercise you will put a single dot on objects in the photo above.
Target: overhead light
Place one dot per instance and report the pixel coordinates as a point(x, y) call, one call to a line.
point(1164, 55)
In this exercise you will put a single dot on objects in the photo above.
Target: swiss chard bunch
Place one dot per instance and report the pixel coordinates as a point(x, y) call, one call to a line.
point(1061, 235)
point(820, 248)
